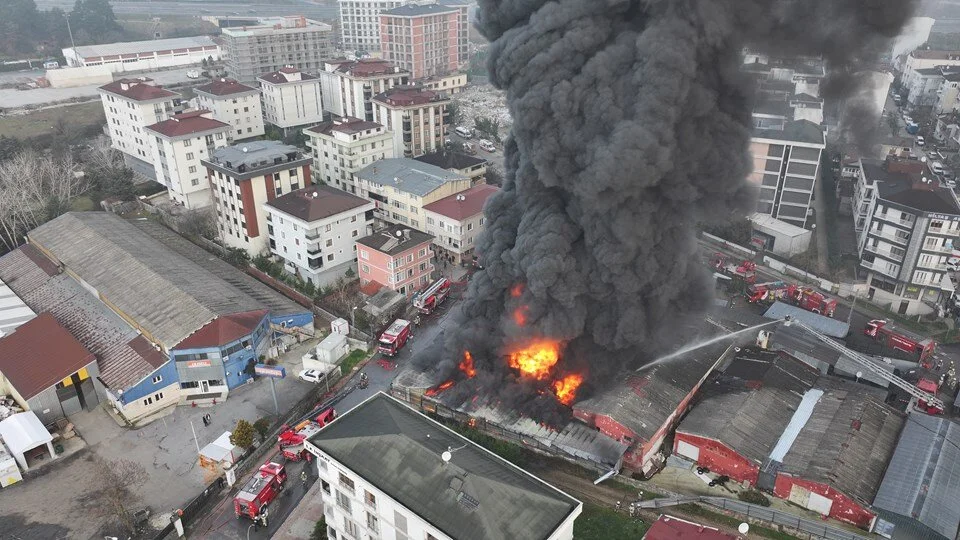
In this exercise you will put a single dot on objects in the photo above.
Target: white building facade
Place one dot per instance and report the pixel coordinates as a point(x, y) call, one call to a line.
point(417, 117)
point(178, 145)
point(348, 86)
point(130, 105)
point(344, 146)
point(314, 231)
point(786, 167)
point(360, 24)
point(235, 104)
point(291, 98)
point(243, 178)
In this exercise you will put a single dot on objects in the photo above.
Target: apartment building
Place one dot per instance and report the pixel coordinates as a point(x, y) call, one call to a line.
point(360, 24)
point(472, 167)
point(274, 43)
point(344, 146)
point(348, 86)
point(235, 104)
point(907, 236)
point(456, 221)
point(388, 471)
point(178, 145)
point(948, 95)
point(245, 176)
point(401, 187)
point(291, 98)
point(423, 39)
point(417, 117)
point(786, 166)
point(397, 257)
point(315, 230)
point(453, 83)
point(130, 105)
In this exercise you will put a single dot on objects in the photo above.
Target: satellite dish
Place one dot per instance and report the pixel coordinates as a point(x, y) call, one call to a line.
point(399, 234)
point(446, 455)
point(744, 528)
point(859, 374)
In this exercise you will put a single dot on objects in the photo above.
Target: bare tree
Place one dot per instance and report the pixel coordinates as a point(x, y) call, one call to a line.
point(116, 489)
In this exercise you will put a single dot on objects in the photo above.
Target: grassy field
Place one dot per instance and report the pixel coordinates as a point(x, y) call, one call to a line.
point(598, 523)
point(352, 360)
point(77, 117)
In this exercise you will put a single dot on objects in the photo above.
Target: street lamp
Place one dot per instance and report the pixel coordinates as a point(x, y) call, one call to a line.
point(353, 319)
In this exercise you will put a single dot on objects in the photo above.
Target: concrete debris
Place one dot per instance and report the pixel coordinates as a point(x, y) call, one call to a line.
point(486, 101)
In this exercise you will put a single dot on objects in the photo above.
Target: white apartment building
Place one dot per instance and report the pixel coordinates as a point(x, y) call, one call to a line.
point(401, 187)
point(948, 95)
point(275, 42)
point(417, 117)
point(235, 104)
point(348, 86)
point(344, 146)
point(926, 59)
point(245, 176)
point(360, 24)
point(388, 471)
point(178, 145)
point(456, 221)
point(314, 231)
point(130, 105)
point(907, 236)
point(291, 98)
point(786, 166)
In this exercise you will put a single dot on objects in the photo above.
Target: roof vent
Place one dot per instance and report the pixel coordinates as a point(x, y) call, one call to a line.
point(467, 502)
point(244, 149)
point(396, 180)
point(223, 79)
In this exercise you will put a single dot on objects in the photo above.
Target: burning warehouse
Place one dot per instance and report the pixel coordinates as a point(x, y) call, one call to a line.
point(773, 422)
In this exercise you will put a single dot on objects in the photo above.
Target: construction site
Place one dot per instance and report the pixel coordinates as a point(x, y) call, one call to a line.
point(770, 391)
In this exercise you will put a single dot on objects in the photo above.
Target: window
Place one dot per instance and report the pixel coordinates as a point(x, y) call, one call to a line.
point(219, 136)
point(431, 537)
point(330, 257)
point(190, 155)
point(399, 522)
point(343, 501)
point(346, 482)
point(148, 401)
point(410, 258)
point(329, 242)
point(157, 379)
point(373, 523)
point(370, 499)
point(192, 169)
point(187, 142)
point(469, 226)
point(365, 269)
point(325, 486)
point(422, 253)
point(398, 262)
point(158, 396)
point(350, 528)
point(194, 182)
point(364, 255)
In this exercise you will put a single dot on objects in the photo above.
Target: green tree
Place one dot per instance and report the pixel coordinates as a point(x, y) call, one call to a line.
point(18, 27)
point(237, 257)
point(350, 274)
point(93, 21)
point(262, 426)
point(319, 530)
point(243, 434)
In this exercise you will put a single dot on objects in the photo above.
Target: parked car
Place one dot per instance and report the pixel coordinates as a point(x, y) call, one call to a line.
point(487, 145)
point(920, 141)
point(310, 375)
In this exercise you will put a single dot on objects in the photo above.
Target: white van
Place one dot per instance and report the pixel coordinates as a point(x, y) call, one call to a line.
point(466, 133)
point(936, 167)
point(487, 145)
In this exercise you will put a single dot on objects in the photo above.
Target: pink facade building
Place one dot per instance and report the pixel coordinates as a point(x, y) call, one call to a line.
point(396, 257)
point(423, 39)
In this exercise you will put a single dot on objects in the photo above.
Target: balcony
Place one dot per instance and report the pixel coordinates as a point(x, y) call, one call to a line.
point(938, 266)
point(890, 236)
point(943, 230)
point(312, 235)
point(938, 249)
point(898, 221)
point(313, 249)
point(881, 267)
point(883, 252)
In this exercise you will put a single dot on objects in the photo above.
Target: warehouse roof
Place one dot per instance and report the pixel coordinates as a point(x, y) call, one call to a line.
point(135, 47)
point(124, 357)
point(317, 202)
point(823, 324)
point(40, 354)
point(13, 310)
point(847, 441)
point(408, 175)
point(923, 478)
point(474, 495)
point(170, 289)
point(749, 406)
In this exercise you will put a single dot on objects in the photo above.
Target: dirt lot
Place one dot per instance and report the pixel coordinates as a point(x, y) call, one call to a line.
point(78, 117)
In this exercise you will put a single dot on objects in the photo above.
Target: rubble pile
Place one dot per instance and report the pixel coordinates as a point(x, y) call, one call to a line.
point(483, 100)
point(8, 407)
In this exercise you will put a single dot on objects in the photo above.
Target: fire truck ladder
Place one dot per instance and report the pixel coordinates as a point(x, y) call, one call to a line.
point(422, 297)
point(866, 363)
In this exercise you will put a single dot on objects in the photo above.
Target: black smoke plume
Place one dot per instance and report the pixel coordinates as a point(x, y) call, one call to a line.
point(631, 126)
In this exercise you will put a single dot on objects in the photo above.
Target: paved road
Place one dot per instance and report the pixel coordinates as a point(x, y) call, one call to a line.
point(158, 8)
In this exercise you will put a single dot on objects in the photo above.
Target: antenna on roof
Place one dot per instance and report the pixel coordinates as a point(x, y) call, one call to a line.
point(460, 197)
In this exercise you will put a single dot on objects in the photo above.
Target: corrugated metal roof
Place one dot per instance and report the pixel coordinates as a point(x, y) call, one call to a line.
point(13, 310)
point(826, 325)
point(148, 277)
point(923, 478)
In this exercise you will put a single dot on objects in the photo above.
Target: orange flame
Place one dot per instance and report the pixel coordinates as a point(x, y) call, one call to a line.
point(436, 390)
point(516, 290)
point(537, 359)
point(566, 388)
point(520, 316)
point(466, 365)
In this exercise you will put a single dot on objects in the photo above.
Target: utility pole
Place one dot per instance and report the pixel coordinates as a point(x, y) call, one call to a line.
point(69, 31)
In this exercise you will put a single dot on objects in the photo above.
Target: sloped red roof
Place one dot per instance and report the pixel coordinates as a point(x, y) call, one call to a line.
point(187, 123)
point(347, 125)
point(224, 87)
point(280, 77)
point(317, 202)
point(371, 288)
point(137, 89)
point(405, 96)
point(223, 330)
point(471, 205)
point(672, 528)
point(39, 354)
point(368, 67)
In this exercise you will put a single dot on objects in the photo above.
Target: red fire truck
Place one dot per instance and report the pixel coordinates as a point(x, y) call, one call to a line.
point(432, 296)
point(746, 271)
point(768, 292)
point(812, 300)
point(257, 493)
point(931, 387)
point(291, 439)
point(394, 338)
point(904, 340)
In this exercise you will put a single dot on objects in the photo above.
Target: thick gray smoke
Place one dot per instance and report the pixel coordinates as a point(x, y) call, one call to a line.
point(631, 126)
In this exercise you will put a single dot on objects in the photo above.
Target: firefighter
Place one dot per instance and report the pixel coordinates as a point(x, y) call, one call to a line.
point(303, 477)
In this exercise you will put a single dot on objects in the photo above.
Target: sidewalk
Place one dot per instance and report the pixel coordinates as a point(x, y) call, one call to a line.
point(300, 523)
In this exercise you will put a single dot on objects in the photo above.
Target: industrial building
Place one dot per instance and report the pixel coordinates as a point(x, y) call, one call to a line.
point(144, 55)
point(390, 470)
point(773, 422)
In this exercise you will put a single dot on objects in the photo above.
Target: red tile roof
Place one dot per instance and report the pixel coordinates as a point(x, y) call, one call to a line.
point(187, 123)
point(371, 288)
point(671, 528)
point(367, 68)
point(471, 205)
point(223, 330)
point(39, 354)
point(138, 89)
point(347, 124)
point(405, 96)
point(224, 87)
